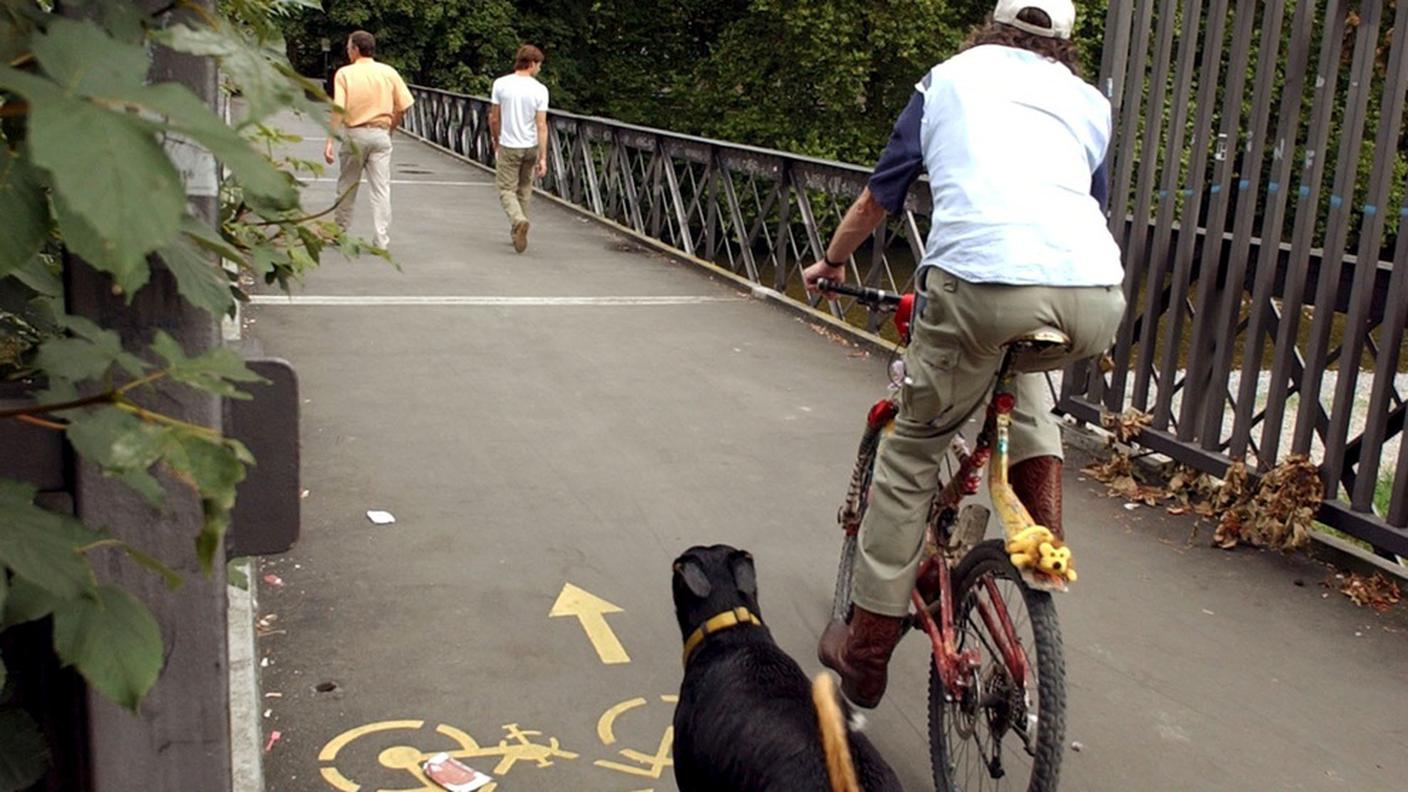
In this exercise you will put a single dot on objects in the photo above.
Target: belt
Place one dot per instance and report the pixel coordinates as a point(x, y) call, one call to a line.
point(373, 125)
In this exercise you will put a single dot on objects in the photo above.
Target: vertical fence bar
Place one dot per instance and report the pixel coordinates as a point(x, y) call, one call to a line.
point(1114, 56)
point(1158, 256)
point(1137, 258)
point(1114, 64)
point(1273, 226)
point(1356, 326)
point(1197, 378)
point(784, 230)
point(1128, 124)
point(1132, 97)
point(1286, 356)
point(1209, 74)
point(1223, 340)
point(1341, 205)
point(711, 218)
point(650, 186)
point(1385, 371)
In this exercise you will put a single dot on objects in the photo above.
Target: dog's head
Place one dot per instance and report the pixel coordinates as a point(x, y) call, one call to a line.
point(711, 580)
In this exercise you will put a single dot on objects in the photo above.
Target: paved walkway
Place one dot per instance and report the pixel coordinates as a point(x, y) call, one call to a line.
point(578, 439)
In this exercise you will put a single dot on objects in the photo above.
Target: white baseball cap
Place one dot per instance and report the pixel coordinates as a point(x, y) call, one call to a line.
point(1062, 13)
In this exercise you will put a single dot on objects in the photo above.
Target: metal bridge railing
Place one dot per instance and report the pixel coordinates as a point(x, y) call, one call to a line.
point(1209, 345)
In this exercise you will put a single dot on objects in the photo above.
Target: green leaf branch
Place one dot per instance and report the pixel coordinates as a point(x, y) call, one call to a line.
point(95, 164)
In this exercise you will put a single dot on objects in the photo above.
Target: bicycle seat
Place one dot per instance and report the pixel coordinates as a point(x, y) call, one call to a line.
point(1045, 349)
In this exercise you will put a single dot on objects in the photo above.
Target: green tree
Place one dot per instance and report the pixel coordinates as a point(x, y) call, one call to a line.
point(458, 45)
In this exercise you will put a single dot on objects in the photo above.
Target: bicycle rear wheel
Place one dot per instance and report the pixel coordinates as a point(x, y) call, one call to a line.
point(1001, 735)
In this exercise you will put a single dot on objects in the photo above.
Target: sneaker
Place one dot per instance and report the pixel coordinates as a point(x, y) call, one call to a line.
point(520, 236)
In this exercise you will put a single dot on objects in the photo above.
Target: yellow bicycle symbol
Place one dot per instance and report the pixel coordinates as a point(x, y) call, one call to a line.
point(517, 746)
point(643, 764)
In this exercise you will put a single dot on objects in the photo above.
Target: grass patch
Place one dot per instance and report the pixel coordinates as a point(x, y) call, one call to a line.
point(1382, 494)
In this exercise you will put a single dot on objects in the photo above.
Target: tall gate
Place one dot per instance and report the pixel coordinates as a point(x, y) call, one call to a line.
point(1257, 191)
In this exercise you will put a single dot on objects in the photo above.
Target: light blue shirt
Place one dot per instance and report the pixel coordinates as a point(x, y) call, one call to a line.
point(1011, 141)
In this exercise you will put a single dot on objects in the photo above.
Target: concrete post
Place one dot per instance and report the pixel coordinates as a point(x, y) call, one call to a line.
point(180, 740)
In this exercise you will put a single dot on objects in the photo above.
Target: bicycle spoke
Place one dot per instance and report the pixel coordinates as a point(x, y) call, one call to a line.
point(984, 747)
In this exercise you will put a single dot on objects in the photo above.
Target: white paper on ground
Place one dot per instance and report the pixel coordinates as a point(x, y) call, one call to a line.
point(381, 517)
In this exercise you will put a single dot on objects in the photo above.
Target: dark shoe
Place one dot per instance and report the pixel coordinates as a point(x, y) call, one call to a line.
point(520, 236)
point(1037, 482)
point(860, 653)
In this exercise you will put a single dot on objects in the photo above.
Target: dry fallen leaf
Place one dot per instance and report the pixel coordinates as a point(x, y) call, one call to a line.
point(1126, 425)
point(1277, 512)
point(1376, 591)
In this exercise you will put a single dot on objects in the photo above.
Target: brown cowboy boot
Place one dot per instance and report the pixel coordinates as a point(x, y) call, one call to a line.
point(1037, 482)
point(860, 653)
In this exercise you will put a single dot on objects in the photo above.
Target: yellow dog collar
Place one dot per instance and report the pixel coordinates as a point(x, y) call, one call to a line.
point(719, 623)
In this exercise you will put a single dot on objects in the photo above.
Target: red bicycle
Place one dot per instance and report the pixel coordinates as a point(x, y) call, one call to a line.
point(997, 688)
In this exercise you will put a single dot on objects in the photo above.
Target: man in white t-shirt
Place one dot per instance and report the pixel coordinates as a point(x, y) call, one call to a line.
point(518, 122)
point(1014, 143)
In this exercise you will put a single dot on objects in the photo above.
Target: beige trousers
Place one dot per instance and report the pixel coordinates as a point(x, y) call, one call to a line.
point(513, 175)
point(366, 149)
point(952, 362)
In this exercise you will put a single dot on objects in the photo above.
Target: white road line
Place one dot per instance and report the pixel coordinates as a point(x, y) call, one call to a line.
point(515, 302)
point(416, 181)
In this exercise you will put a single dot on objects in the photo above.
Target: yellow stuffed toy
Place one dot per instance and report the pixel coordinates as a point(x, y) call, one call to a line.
point(1036, 548)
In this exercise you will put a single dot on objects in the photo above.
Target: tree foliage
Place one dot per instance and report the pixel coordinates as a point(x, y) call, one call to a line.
point(819, 77)
point(91, 156)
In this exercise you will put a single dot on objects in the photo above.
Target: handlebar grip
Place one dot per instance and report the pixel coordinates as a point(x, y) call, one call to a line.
point(875, 298)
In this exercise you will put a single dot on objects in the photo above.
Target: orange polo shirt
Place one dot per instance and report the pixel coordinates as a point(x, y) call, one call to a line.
point(369, 93)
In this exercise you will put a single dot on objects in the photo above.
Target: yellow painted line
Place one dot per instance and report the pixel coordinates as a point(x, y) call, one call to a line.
point(591, 611)
point(653, 765)
point(337, 743)
point(338, 780)
point(606, 726)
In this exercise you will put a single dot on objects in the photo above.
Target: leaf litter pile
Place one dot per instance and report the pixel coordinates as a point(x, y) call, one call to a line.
point(1276, 511)
point(1375, 591)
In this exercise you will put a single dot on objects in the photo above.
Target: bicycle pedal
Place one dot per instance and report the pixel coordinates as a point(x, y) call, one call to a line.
point(970, 527)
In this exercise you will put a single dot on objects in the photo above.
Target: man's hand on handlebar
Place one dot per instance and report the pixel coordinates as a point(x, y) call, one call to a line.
point(822, 271)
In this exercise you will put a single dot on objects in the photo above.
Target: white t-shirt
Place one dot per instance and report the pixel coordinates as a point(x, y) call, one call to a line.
point(1010, 140)
point(520, 99)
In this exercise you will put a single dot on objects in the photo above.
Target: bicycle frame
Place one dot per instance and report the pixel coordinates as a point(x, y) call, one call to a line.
point(936, 618)
point(955, 668)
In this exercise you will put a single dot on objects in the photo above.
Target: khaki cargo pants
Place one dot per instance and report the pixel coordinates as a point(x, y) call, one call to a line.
point(953, 359)
point(513, 171)
point(366, 149)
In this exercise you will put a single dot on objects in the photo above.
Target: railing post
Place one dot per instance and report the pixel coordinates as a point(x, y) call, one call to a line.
point(180, 741)
point(784, 229)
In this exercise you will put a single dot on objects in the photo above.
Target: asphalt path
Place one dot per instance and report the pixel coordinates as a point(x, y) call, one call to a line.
point(547, 442)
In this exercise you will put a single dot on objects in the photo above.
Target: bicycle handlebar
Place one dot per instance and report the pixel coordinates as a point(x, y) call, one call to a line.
point(872, 298)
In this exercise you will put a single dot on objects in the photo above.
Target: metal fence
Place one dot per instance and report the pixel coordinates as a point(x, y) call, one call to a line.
point(1246, 342)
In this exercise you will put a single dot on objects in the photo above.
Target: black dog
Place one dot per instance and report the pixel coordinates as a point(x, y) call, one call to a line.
point(745, 721)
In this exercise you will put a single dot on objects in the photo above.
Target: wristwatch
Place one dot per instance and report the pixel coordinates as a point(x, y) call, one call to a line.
point(827, 258)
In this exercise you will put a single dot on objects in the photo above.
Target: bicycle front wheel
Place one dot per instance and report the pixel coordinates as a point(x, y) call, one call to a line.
point(1005, 732)
point(863, 474)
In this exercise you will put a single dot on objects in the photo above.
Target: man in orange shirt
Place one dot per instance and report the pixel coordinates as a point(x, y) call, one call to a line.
point(371, 98)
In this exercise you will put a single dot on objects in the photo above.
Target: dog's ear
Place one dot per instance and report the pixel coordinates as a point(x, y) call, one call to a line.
point(692, 573)
point(745, 577)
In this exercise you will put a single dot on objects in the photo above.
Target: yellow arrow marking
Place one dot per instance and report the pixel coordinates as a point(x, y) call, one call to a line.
point(591, 611)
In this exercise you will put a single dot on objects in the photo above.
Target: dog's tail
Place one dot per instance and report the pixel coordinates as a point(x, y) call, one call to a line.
point(835, 740)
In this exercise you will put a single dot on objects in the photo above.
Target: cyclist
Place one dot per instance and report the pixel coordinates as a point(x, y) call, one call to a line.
point(1014, 142)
